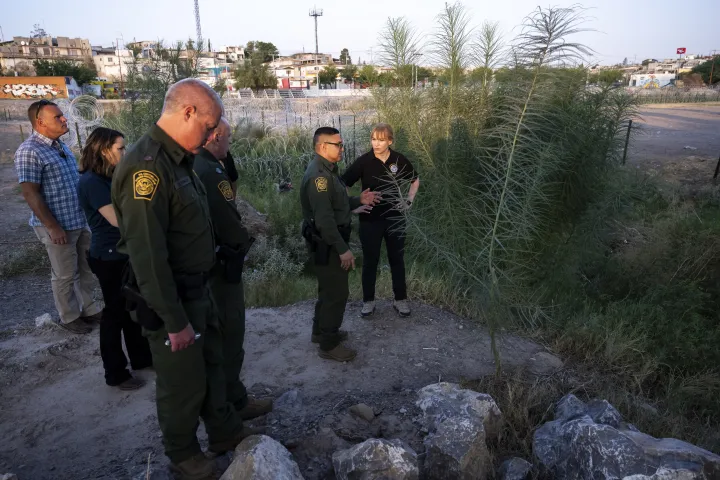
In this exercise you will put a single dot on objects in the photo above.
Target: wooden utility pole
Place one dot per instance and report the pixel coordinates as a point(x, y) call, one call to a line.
point(120, 61)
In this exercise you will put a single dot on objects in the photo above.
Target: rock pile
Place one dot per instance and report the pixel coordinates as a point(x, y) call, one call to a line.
point(448, 438)
point(592, 441)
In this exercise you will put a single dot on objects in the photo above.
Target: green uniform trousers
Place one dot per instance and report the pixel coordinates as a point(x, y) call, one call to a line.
point(333, 292)
point(190, 384)
point(230, 301)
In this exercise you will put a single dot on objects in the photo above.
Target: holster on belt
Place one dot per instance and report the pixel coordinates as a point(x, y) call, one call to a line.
point(345, 231)
point(318, 246)
point(135, 302)
point(231, 261)
point(191, 286)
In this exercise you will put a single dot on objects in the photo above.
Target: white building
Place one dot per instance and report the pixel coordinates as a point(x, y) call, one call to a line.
point(145, 48)
point(300, 68)
point(112, 63)
point(230, 54)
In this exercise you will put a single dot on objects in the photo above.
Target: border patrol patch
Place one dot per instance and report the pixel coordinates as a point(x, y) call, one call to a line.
point(145, 183)
point(394, 168)
point(226, 190)
point(321, 184)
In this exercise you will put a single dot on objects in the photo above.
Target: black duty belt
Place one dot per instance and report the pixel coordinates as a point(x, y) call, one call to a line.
point(191, 286)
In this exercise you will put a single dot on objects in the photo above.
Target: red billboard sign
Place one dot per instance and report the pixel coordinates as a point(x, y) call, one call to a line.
point(681, 51)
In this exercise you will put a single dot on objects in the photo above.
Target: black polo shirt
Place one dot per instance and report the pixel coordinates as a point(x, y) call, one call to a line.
point(389, 178)
point(94, 193)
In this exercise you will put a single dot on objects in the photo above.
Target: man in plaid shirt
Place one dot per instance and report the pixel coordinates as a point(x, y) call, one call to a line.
point(48, 175)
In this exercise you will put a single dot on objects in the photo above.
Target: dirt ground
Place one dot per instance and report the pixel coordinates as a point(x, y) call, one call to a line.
point(680, 143)
point(58, 420)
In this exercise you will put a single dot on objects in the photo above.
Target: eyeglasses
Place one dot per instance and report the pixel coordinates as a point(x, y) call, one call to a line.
point(59, 148)
point(41, 104)
point(338, 144)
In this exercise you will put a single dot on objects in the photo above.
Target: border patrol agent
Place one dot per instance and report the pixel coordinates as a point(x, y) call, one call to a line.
point(166, 232)
point(326, 209)
point(233, 242)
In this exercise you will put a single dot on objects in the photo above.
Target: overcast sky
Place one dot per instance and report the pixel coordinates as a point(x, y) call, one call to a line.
point(632, 29)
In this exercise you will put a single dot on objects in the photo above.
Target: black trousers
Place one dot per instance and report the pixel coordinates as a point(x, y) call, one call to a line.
point(116, 323)
point(372, 234)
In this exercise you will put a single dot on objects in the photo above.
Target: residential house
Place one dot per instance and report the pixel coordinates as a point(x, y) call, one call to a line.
point(19, 53)
point(230, 54)
point(300, 68)
point(144, 48)
point(112, 63)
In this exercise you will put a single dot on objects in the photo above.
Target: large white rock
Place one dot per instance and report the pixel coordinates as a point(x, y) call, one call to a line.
point(515, 469)
point(44, 320)
point(592, 441)
point(259, 457)
point(446, 400)
point(458, 422)
point(456, 449)
point(376, 459)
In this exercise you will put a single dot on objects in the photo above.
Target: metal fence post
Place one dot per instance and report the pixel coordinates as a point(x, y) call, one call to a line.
point(354, 137)
point(627, 140)
point(77, 130)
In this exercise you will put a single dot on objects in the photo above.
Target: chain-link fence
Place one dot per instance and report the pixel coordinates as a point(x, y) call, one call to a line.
point(278, 117)
point(676, 95)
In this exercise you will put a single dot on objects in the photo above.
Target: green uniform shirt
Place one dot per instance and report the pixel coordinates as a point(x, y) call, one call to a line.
point(227, 222)
point(164, 221)
point(325, 201)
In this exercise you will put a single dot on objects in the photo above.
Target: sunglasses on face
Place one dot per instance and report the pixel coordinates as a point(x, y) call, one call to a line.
point(337, 144)
point(41, 104)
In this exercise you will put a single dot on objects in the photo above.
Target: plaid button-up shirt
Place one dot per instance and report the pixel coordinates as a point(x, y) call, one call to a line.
point(39, 160)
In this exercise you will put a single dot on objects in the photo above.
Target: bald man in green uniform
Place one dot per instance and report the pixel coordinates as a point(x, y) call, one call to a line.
point(166, 231)
point(233, 242)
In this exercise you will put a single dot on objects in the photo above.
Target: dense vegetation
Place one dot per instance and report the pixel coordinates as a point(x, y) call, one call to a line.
point(525, 221)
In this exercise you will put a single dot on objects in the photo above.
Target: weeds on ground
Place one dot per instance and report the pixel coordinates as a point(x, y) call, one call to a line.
point(633, 293)
point(26, 258)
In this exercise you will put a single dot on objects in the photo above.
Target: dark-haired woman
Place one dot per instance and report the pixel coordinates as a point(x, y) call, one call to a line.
point(103, 150)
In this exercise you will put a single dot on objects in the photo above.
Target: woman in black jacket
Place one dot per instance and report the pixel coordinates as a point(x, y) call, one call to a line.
point(103, 150)
point(389, 172)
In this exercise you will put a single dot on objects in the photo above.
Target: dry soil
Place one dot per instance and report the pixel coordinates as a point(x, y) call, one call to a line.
point(58, 420)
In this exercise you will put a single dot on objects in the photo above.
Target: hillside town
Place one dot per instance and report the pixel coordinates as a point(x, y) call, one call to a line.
point(297, 74)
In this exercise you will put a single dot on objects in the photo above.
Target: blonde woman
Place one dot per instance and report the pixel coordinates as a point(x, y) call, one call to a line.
point(384, 170)
point(103, 150)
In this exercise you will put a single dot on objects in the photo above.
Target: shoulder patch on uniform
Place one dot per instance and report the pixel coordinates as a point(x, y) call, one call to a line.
point(321, 184)
point(145, 183)
point(226, 190)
